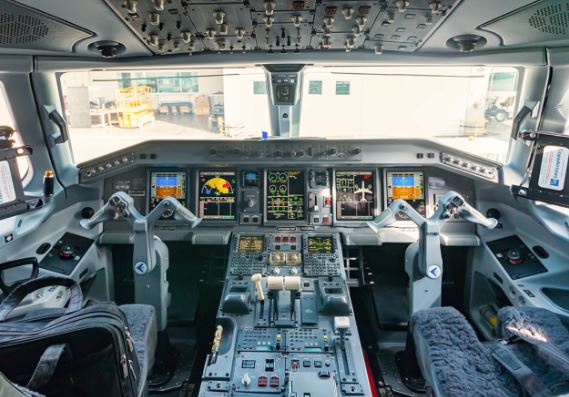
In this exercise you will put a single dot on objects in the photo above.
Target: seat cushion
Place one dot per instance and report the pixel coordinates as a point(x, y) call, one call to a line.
point(543, 326)
point(143, 329)
point(452, 359)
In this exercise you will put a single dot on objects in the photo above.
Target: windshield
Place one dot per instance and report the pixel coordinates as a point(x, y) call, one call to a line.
point(111, 110)
point(468, 108)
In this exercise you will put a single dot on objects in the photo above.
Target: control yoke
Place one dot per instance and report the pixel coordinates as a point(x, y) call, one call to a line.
point(121, 205)
point(453, 203)
point(430, 259)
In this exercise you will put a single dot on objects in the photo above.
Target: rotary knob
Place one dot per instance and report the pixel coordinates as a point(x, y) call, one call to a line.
point(66, 252)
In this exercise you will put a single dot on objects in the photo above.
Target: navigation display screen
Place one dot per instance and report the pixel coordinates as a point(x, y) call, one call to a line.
point(355, 195)
point(285, 195)
point(250, 244)
point(408, 186)
point(321, 245)
point(167, 184)
point(217, 195)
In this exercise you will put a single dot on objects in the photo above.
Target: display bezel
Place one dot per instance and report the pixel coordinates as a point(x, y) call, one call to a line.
point(377, 189)
point(236, 189)
point(425, 188)
point(172, 170)
point(265, 196)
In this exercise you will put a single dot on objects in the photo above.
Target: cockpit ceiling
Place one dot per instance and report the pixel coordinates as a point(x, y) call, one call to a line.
point(282, 25)
point(165, 27)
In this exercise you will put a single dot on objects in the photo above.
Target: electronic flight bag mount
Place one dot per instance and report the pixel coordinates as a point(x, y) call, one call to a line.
point(547, 177)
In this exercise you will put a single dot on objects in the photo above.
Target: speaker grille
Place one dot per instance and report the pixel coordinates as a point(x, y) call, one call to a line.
point(21, 29)
point(27, 28)
point(551, 19)
point(539, 22)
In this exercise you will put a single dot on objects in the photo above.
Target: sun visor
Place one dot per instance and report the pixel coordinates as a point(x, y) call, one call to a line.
point(22, 27)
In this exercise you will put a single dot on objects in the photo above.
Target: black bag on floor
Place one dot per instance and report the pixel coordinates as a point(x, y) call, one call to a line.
point(68, 352)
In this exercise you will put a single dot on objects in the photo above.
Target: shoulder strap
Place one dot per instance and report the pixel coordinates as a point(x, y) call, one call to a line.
point(549, 351)
point(21, 291)
point(523, 375)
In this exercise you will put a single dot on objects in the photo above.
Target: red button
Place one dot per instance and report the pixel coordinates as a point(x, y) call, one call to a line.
point(274, 382)
point(277, 239)
point(285, 239)
point(262, 381)
point(328, 202)
point(293, 239)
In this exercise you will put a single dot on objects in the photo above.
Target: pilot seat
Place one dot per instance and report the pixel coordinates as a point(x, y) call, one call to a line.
point(531, 357)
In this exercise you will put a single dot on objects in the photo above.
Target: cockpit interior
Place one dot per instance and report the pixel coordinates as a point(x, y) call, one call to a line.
point(284, 198)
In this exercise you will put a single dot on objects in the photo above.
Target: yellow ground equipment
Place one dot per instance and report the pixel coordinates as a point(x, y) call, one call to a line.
point(134, 105)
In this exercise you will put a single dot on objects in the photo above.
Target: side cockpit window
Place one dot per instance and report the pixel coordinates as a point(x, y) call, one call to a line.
point(6, 118)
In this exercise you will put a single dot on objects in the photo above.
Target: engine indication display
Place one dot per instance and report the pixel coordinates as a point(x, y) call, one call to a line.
point(165, 184)
point(285, 195)
point(408, 186)
point(320, 245)
point(217, 195)
point(250, 244)
point(355, 195)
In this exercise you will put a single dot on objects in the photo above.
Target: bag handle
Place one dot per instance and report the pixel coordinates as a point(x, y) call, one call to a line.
point(21, 291)
point(46, 366)
point(6, 289)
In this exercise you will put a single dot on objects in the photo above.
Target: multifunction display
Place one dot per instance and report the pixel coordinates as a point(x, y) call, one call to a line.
point(285, 195)
point(217, 195)
point(167, 184)
point(321, 245)
point(250, 244)
point(408, 186)
point(355, 195)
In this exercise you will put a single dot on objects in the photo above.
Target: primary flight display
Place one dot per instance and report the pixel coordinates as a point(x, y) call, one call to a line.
point(167, 184)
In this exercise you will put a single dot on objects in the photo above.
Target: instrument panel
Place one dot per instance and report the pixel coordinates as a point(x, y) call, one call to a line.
point(289, 196)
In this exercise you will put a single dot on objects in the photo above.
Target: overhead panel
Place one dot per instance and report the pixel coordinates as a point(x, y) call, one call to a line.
point(23, 27)
point(282, 25)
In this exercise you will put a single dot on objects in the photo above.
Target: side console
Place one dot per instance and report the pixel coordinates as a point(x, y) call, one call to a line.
point(285, 323)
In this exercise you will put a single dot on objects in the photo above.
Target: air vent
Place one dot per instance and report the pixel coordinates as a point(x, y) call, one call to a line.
point(26, 28)
point(541, 21)
point(551, 19)
point(470, 166)
point(93, 170)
